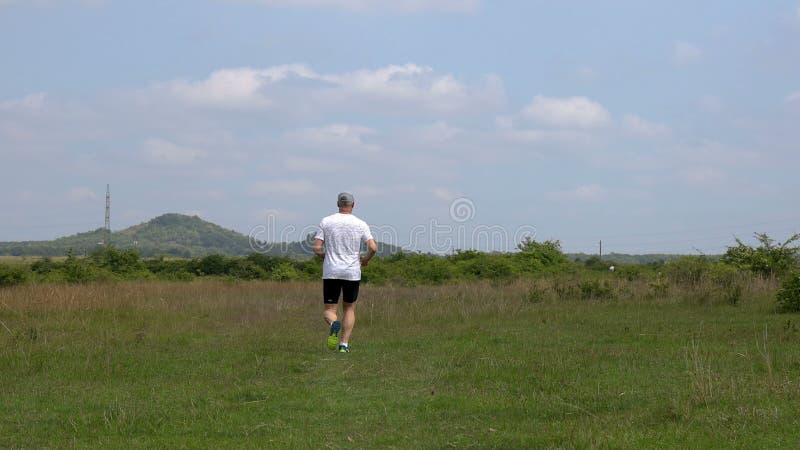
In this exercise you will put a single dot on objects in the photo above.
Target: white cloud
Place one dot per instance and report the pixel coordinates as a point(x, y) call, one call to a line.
point(710, 103)
point(591, 193)
point(160, 151)
point(438, 132)
point(266, 216)
point(392, 6)
point(39, 124)
point(314, 165)
point(283, 187)
point(48, 3)
point(365, 191)
point(411, 84)
point(585, 73)
point(567, 112)
point(80, 194)
point(215, 195)
point(391, 89)
point(684, 53)
point(337, 137)
point(443, 194)
point(634, 125)
point(702, 176)
point(233, 88)
point(794, 97)
point(29, 103)
point(535, 137)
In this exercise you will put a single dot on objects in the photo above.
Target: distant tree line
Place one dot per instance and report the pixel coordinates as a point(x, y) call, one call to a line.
point(592, 277)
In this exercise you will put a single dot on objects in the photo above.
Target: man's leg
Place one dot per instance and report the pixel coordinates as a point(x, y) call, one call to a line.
point(330, 313)
point(330, 295)
point(348, 321)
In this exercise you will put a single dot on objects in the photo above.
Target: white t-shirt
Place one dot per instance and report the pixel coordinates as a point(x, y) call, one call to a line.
point(343, 235)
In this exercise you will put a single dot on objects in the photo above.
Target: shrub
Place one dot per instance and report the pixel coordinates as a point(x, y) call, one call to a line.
point(285, 272)
point(658, 288)
point(10, 276)
point(565, 289)
point(80, 270)
point(595, 289)
point(120, 262)
point(266, 262)
point(415, 268)
point(536, 294)
point(376, 272)
point(166, 267)
point(44, 266)
point(733, 294)
point(768, 259)
point(788, 296)
point(245, 269)
point(534, 256)
point(212, 265)
point(482, 266)
point(688, 270)
point(601, 265)
point(311, 269)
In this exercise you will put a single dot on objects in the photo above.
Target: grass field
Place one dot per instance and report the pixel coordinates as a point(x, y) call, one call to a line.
point(243, 365)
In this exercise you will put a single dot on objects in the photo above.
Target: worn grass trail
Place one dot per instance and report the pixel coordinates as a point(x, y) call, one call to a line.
point(217, 364)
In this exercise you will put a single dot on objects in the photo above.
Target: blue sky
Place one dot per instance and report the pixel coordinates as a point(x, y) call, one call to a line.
point(654, 126)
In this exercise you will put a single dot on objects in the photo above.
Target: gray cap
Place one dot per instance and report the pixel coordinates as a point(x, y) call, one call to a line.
point(344, 197)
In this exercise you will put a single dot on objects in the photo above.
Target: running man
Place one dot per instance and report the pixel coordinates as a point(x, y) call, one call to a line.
point(338, 241)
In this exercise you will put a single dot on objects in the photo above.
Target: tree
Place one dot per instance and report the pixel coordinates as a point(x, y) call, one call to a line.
point(537, 255)
point(768, 259)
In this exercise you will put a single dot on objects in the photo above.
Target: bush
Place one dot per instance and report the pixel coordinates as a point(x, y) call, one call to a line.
point(10, 276)
point(285, 272)
point(311, 269)
point(768, 259)
point(565, 289)
point(473, 264)
point(788, 296)
point(81, 270)
point(120, 262)
point(44, 266)
point(658, 288)
point(245, 269)
point(266, 262)
point(426, 269)
point(212, 265)
point(536, 294)
point(376, 272)
point(690, 270)
point(595, 289)
point(534, 256)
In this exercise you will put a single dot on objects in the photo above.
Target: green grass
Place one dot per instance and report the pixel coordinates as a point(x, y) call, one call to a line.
point(244, 365)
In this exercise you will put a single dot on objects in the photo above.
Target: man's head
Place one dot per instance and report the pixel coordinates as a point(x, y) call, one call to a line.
point(345, 201)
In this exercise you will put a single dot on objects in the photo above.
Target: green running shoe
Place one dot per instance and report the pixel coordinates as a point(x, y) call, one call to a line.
point(344, 349)
point(333, 337)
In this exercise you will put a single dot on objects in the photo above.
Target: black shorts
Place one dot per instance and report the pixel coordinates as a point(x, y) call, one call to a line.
point(331, 288)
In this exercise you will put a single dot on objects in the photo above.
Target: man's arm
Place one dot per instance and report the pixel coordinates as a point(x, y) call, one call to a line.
point(318, 250)
point(372, 248)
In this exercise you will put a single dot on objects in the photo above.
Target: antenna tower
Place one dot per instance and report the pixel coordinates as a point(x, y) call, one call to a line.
point(107, 228)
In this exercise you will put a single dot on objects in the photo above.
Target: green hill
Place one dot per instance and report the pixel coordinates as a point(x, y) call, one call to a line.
point(169, 234)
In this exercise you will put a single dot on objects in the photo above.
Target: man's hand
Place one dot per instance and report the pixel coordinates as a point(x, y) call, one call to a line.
point(372, 248)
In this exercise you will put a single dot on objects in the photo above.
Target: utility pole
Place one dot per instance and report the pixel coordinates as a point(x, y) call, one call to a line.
point(601, 249)
point(107, 228)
